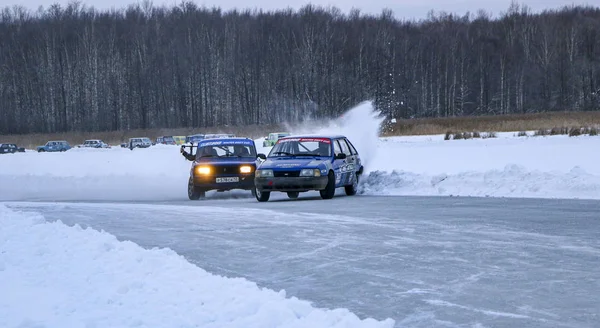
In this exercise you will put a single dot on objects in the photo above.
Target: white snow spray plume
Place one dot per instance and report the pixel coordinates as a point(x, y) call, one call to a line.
point(361, 124)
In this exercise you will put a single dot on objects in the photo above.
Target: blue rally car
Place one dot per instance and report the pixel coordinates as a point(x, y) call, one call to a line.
point(302, 163)
point(221, 164)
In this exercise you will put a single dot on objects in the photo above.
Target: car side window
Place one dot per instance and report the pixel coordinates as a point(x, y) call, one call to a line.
point(351, 146)
point(336, 147)
point(345, 148)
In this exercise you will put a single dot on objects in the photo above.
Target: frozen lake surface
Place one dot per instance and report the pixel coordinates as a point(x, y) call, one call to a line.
point(422, 261)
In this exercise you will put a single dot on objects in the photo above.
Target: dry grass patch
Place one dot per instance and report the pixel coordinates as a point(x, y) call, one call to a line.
point(499, 123)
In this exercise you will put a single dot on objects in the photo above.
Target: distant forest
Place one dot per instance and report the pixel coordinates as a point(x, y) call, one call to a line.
point(78, 69)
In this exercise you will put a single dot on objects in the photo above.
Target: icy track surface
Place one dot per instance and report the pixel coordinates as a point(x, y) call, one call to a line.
point(52, 275)
point(423, 262)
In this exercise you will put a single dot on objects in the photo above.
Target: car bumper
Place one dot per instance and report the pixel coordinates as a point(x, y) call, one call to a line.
point(210, 182)
point(291, 183)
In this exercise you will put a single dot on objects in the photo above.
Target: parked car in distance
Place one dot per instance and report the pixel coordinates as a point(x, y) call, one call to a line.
point(179, 140)
point(10, 149)
point(194, 138)
point(301, 163)
point(272, 138)
point(54, 146)
point(166, 140)
point(94, 143)
point(139, 143)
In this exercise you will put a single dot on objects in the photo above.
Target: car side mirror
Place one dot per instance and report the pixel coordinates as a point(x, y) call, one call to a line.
point(340, 156)
point(262, 156)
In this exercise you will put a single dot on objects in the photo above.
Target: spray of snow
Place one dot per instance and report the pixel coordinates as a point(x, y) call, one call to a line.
point(361, 124)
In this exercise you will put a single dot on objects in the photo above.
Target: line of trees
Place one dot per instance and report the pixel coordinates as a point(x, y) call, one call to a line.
point(75, 68)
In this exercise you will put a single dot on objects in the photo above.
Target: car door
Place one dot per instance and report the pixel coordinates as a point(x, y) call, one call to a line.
point(349, 163)
point(339, 165)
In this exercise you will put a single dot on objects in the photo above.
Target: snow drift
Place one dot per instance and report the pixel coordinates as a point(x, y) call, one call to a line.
point(512, 181)
point(53, 275)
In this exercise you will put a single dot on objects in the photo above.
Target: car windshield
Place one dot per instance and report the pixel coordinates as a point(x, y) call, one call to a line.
point(301, 147)
point(226, 150)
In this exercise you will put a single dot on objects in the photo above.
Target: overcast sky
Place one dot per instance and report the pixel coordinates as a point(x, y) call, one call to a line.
point(408, 9)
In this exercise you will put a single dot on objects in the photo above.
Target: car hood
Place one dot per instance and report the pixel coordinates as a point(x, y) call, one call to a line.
point(293, 162)
point(226, 160)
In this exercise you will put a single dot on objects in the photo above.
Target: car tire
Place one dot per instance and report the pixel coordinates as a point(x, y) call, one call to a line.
point(353, 188)
point(293, 194)
point(329, 190)
point(41, 151)
point(262, 196)
point(194, 193)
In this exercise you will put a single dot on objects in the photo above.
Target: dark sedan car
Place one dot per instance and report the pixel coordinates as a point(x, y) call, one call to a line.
point(10, 149)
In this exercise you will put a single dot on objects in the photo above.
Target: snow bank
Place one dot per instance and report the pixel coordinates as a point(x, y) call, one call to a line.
point(53, 275)
point(512, 181)
point(159, 172)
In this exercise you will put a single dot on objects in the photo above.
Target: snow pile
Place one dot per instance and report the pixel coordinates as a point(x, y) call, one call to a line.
point(159, 172)
point(53, 275)
point(512, 181)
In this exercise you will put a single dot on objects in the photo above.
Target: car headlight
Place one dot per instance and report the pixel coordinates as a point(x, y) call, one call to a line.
point(245, 169)
point(203, 170)
point(264, 173)
point(310, 173)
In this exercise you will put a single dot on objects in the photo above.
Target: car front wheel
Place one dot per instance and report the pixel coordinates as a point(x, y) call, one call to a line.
point(194, 193)
point(329, 190)
point(262, 196)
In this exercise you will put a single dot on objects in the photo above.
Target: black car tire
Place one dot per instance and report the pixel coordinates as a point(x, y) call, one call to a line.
point(293, 194)
point(195, 193)
point(262, 196)
point(41, 151)
point(353, 188)
point(329, 190)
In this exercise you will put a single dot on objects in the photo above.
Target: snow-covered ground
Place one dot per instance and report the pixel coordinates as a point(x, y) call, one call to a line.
point(507, 166)
point(54, 275)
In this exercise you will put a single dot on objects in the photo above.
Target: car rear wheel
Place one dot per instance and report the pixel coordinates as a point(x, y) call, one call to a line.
point(353, 188)
point(262, 196)
point(293, 194)
point(329, 190)
point(194, 193)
